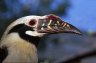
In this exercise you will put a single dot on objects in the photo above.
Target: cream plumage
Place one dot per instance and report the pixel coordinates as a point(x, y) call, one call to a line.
point(19, 41)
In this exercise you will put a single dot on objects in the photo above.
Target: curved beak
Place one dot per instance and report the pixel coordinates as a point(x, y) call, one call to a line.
point(53, 24)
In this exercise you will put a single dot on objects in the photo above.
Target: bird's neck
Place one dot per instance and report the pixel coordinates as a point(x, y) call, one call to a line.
point(20, 51)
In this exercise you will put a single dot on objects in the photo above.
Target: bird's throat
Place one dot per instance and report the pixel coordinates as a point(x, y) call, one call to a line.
point(20, 50)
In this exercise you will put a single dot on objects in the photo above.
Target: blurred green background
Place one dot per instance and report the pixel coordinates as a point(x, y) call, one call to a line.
point(80, 13)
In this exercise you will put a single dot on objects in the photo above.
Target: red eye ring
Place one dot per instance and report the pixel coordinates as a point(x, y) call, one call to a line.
point(32, 22)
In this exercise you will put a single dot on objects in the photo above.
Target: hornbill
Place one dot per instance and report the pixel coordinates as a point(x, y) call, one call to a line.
point(20, 40)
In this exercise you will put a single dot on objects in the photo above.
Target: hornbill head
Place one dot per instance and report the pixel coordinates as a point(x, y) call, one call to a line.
point(30, 29)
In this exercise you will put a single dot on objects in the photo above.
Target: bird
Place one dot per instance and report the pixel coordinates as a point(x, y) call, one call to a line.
point(21, 38)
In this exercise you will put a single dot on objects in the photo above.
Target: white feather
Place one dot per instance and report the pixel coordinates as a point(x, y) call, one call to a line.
point(34, 33)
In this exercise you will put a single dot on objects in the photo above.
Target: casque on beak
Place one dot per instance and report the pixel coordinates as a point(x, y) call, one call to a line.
point(53, 24)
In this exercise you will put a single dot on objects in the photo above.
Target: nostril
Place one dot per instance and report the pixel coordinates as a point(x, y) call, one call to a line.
point(32, 22)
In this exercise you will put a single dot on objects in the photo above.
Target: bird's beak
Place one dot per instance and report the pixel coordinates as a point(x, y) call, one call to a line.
point(53, 24)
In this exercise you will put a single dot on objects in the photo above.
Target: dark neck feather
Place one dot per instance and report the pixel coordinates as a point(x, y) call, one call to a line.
point(3, 54)
point(21, 29)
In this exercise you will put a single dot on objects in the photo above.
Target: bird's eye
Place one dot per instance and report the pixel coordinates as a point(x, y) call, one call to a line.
point(32, 22)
